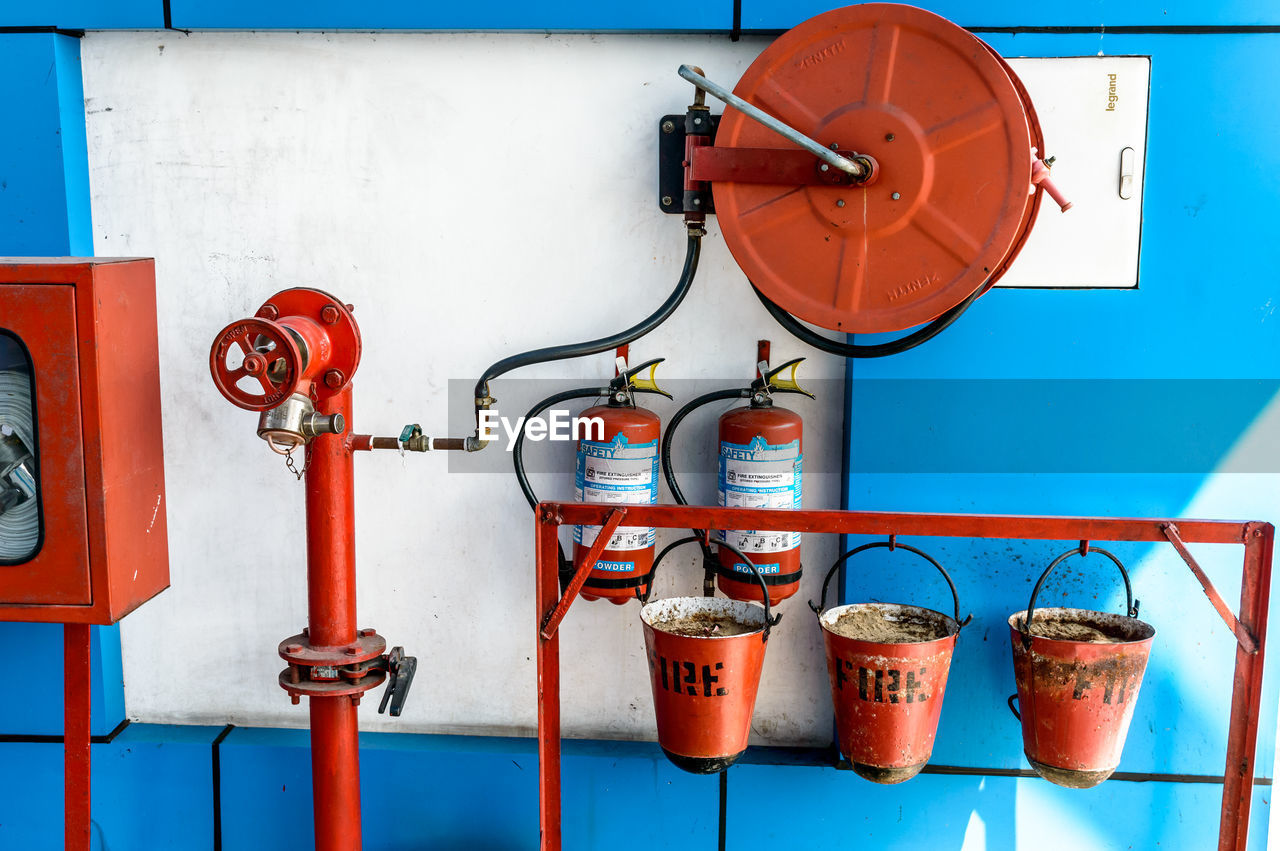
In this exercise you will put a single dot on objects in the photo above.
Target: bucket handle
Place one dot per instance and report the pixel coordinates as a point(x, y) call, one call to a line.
point(1083, 550)
point(891, 545)
point(1013, 698)
point(770, 620)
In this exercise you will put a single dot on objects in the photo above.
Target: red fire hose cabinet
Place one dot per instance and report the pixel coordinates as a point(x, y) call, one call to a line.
point(83, 537)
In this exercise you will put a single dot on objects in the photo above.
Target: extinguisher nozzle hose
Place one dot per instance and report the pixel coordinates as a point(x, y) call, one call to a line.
point(517, 450)
point(668, 469)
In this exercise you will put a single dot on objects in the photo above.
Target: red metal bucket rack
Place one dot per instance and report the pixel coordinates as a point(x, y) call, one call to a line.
point(1249, 628)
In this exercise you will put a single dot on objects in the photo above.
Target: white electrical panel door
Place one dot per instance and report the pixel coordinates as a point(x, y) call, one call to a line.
point(1093, 110)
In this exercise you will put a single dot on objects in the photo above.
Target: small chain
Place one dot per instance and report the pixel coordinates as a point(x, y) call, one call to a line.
point(306, 462)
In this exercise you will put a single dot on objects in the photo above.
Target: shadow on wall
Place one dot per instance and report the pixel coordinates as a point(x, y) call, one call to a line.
point(1181, 719)
point(781, 807)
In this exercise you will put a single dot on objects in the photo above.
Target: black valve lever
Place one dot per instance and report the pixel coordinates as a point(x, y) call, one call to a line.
point(400, 671)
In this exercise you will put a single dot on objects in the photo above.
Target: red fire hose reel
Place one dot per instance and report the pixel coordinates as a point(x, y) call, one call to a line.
point(876, 167)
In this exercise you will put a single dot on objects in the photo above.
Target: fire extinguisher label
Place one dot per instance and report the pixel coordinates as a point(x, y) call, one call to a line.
point(621, 473)
point(761, 475)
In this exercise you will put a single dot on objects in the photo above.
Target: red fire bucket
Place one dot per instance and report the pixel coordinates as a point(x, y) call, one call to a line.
point(1078, 674)
point(705, 656)
point(888, 665)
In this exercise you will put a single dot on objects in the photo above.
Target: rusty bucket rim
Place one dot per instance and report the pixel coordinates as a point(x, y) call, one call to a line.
point(1017, 620)
point(951, 623)
point(752, 607)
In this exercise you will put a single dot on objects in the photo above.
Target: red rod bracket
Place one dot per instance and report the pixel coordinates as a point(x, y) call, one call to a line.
point(1247, 640)
point(779, 166)
point(552, 621)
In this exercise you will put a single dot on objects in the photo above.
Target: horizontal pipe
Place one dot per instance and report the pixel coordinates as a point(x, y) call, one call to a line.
point(829, 758)
point(902, 523)
point(367, 442)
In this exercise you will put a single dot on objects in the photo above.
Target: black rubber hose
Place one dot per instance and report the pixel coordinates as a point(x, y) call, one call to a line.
point(553, 353)
point(855, 350)
point(517, 454)
point(668, 471)
point(517, 451)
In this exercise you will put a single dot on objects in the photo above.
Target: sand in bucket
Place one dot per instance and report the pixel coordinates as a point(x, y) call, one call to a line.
point(1078, 673)
point(888, 666)
point(705, 656)
point(1078, 680)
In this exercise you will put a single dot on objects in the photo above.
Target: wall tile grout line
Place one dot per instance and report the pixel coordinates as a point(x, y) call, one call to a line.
point(50, 739)
point(724, 806)
point(217, 776)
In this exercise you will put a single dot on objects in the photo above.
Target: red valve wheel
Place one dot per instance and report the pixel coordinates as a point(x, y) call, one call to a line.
point(951, 135)
point(271, 360)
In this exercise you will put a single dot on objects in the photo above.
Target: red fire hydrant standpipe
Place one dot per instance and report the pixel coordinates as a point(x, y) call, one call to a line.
point(300, 352)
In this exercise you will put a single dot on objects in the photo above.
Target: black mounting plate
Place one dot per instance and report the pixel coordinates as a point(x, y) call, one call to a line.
point(671, 135)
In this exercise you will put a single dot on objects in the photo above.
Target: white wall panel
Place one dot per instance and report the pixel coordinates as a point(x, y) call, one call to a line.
point(473, 195)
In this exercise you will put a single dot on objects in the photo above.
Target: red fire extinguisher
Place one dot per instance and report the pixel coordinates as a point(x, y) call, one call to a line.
point(761, 466)
point(618, 463)
point(761, 459)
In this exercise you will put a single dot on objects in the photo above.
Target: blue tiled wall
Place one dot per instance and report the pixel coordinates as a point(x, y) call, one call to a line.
point(1201, 311)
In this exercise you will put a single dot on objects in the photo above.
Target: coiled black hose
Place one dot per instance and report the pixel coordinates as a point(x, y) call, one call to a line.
point(855, 350)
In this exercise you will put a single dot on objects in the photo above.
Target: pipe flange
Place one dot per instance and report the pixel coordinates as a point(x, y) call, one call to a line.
point(298, 650)
point(330, 688)
point(335, 324)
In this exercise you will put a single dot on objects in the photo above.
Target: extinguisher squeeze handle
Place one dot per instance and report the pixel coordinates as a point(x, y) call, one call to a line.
point(890, 544)
point(632, 378)
point(773, 383)
point(400, 671)
point(1131, 605)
